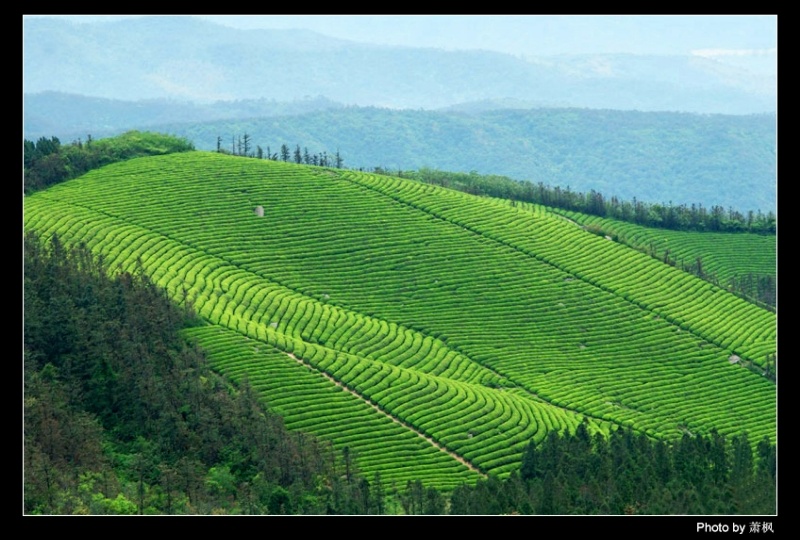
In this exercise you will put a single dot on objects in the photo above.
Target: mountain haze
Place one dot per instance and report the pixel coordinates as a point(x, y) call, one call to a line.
point(212, 83)
point(658, 157)
point(189, 58)
point(400, 265)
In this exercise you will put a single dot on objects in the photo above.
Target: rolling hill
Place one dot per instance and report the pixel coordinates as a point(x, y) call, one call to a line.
point(432, 333)
point(658, 157)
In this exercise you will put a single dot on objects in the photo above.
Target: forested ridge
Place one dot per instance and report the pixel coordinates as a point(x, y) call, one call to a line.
point(629, 473)
point(124, 416)
point(47, 161)
point(665, 157)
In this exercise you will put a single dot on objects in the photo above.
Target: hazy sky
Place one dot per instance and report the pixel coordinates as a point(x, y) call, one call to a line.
point(536, 34)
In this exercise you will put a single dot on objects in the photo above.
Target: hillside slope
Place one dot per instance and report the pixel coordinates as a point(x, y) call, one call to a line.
point(725, 259)
point(459, 325)
point(659, 157)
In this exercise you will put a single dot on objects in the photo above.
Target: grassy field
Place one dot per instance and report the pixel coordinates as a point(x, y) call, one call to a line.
point(431, 332)
point(724, 255)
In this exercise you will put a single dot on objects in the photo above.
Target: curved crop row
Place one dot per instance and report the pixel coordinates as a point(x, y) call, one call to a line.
point(444, 310)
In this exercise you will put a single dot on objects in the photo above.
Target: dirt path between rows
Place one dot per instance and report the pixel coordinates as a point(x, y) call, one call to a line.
point(565, 218)
point(407, 426)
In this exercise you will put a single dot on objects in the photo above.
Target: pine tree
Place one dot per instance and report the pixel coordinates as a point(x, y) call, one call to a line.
point(246, 145)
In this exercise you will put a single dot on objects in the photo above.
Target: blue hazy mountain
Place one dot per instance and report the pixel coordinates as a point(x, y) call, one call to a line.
point(193, 59)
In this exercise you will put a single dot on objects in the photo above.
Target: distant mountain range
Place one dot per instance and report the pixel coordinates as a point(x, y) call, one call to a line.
point(727, 160)
point(68, 116)
point(602, 122)
point(189, 59)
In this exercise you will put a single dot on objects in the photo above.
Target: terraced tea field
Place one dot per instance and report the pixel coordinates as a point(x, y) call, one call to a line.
point(432, 333)
point(723, 254)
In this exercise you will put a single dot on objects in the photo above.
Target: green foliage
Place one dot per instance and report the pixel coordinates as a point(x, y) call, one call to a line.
point(744, 263)
point(474, 323)
point(134, 144)
point(629, 473)
point(47, 162)
point(123, 416)
point(683, 217)
point(119, 505)
point(627, 156)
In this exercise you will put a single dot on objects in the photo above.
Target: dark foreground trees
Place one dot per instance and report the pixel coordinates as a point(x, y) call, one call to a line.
point(122, 415)
point(630, 473)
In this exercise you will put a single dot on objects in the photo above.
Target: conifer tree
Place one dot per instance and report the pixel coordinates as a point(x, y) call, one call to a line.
point(246, 145)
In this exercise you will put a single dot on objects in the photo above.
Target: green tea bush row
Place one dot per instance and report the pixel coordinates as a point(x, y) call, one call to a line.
point(323, 265)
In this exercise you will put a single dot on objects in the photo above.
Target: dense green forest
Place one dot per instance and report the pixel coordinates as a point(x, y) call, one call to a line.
point(124, 416)
point(629, 473)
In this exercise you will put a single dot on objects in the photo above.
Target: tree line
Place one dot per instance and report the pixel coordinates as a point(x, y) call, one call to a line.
point(630, 473)
point(242, 145)
point(758, 289)
point(681, 217)
point(47, 161)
